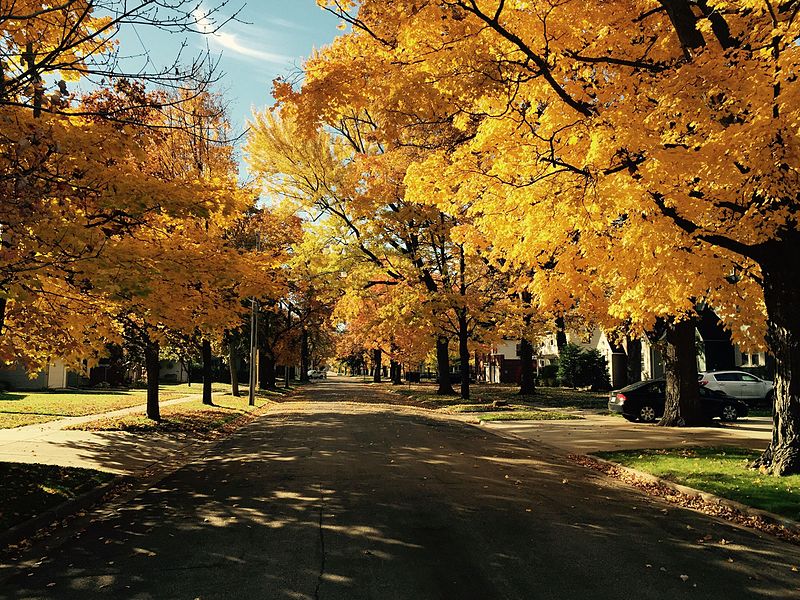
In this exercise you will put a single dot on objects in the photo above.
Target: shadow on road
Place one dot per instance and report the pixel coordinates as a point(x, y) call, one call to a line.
point(363, 502)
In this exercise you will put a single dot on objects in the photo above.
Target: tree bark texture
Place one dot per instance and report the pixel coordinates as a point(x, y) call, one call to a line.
point(443, 366)
point(153, 368)
point(527, 381)
point(781, 273)
point(207, 372)
point(463, 352)
point(682, 406)
point(266, 371)
point(634, 352)
point(233, 363)
point(377, 359)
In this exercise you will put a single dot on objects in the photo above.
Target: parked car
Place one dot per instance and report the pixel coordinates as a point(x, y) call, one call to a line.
point(644, 401)
point(737, 384)
point(317, 374)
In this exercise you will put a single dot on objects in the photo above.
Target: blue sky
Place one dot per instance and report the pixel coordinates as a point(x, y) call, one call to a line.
point(271, 39)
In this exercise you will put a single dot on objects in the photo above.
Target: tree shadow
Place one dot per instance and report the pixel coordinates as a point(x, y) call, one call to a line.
point(368, 503)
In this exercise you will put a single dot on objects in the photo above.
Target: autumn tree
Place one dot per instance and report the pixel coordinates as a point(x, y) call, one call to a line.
point(665, 133)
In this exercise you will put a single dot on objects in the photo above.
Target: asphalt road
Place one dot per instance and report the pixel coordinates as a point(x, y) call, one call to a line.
point(338, 501)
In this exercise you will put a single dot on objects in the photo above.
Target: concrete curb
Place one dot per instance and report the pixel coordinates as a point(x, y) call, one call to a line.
point(28, 528)
point(771, 518)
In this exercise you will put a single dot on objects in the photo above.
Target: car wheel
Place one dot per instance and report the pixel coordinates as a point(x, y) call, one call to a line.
point(729, 413)
point(647, 414)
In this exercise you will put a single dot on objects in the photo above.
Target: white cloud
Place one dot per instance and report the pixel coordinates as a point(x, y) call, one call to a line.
point(231, 42)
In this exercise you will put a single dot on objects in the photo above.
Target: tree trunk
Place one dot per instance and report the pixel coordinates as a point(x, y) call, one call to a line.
point(3, 303)
point(682, 406)
point(561, 333)
point(634, 352)
point(463, 353)
point(377, 357)
point(152, 367)
point(685, 23)
point(443, 366)
point(232, 366)
point(781, 291)
point(304, 356)
point(397, 373)
point(527, 384)
point(266, 371)
point(207, 372)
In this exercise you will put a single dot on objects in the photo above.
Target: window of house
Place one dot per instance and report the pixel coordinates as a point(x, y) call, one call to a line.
point(755, 360)
point(745, 358)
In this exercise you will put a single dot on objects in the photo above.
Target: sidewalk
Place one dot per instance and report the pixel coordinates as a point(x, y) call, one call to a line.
point(116, 452)
point(596, 433)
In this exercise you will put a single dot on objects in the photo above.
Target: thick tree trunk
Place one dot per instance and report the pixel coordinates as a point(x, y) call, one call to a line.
point(443, 366)
point(3, 303)
point(207, 372)
point(781, 292)
point(304, 356)
point(233, 361)
point(634, 351)
point(527, 382)
point(266, 371)
point(397, 373)
point(463, 353)
point(377, 357)
point(682, 407)
point(152, 368)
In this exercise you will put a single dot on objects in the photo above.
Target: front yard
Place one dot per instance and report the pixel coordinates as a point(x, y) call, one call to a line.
point(498, 402)
point(28, 408)
point(191, 417)
point(720, 471)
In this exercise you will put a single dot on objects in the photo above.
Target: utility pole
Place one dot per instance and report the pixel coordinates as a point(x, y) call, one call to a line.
point(253, 351)
point(254, 342)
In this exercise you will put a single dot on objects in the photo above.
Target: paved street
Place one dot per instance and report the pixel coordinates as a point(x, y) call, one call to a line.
point(330, 500)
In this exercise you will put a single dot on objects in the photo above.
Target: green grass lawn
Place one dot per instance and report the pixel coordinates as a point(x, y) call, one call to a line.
point(527, 415)
point(720, 471)
point(29, 490)
point(485, 394)
point(28, 408)
point(187, 417)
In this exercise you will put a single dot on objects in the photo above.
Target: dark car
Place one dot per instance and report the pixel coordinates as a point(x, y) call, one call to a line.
point(644, 401)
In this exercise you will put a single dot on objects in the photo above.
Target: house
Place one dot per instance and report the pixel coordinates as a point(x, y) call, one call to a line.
point(55, 377)
point(715, 351)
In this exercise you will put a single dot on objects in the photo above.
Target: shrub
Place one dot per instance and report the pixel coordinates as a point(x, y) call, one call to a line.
point(578, 367)
point(569, 365)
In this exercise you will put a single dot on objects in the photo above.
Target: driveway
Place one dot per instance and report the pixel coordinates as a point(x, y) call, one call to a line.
point(602, 432)
point(333, 500)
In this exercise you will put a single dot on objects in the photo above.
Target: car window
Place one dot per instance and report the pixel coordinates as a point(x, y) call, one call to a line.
point(728, 376)
point(750, 378)
point(656, 388)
